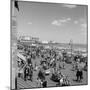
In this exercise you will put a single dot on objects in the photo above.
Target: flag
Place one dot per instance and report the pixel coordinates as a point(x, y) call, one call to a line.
point(70, 43)
point(16, 5)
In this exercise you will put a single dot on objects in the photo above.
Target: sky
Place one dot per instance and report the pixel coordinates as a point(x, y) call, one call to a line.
point(53, 21)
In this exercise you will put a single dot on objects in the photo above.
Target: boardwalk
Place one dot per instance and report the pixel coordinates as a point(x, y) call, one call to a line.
point(67, 71)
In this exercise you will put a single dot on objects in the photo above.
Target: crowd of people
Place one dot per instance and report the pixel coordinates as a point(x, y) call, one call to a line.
point(49, 61)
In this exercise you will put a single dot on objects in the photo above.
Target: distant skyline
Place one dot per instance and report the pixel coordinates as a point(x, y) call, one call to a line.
point(53, 21)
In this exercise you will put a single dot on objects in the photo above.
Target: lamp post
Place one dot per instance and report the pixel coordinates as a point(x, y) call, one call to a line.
point(71, 47)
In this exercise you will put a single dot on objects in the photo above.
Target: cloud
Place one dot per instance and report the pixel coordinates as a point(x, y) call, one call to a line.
point(65, 20)
point(76, 22)
point(84, 29)
point(69, 6)
point(56, 22)
point(61, 21)
point(29, 23)
point(68, 19)
point(81, 22)
point(84, 25)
